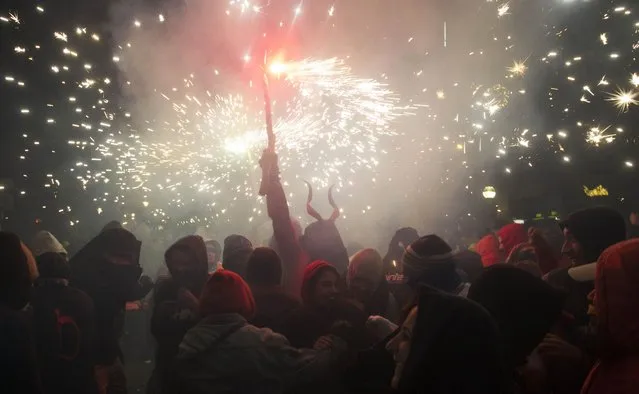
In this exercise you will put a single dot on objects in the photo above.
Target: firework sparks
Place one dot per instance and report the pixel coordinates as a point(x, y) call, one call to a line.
point(623, 99)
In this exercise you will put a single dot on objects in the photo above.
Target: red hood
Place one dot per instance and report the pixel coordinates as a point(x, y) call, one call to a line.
point(488, 249)
point(617, 297)
point(512, 235)
point(312, 271)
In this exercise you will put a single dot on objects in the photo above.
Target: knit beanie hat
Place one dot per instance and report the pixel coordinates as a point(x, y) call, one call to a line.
point(236, 245)
point(264, 268)
point(226, 292)
point(366, 264)
point(429, 261)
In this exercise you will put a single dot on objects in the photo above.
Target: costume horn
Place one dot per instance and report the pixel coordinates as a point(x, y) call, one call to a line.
point(331, 201)
point(309, 208)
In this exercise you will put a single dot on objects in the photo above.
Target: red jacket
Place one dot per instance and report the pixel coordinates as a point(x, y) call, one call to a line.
point(488, 249)
point(617, 304)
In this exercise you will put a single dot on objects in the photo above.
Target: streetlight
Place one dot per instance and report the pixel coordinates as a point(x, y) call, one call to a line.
point(489, 192)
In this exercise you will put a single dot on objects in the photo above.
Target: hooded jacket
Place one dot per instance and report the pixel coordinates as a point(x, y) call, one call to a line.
point(45, 242)
point(110, 286)
point(367, 265)
point(170, 319)
point(595, 229)
point(512, 235)
point(617, 303)
point(524, 307)
point(456, 348)
point(312, 321)
point(225, 354)
point(64, 329)
point(488, 249)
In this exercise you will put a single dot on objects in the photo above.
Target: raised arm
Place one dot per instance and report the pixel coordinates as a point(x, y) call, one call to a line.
point(288, 244)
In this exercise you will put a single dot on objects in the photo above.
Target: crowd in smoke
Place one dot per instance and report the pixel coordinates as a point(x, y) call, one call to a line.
point(516, 312)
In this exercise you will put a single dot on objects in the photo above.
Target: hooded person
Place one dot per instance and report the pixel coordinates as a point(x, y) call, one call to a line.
point(448, 344)
point(108, 270)
point(214, 254)
point(18, 363)
point(64, 329)
point(224, 353)
point(367, 284)
point(175, 305)
point(401, 239)
point(237, 250)
point(587, 234)
point(616, 305)
point(323, 309)
point(470, 263)
point(524, 307)
point(321, 240)
point(488, 249)
point(273, 306)
point(510, 236)
point(45, 242)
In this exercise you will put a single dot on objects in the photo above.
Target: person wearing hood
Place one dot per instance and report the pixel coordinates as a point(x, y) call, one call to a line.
point(367, 285)
point(393, 258)
point(273, 306)
point(525, 309)
point(324, 309)
point(488, 249)
point(214, 254)
point(45, 242)
point(63, 319)
point(18, 363)
point(429, 261)
point(237, 250)
point(224, 353)
point(616, 305)
point(510, 236)
point(175, 304)
point(587, 234)
point(108, 270)
point(448, 344)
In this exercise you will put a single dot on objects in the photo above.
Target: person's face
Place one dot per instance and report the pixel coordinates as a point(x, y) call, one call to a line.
point(362, 289)
point(212, 257)
point(325, 288)
point(182, 267)
point(399, 346)
point(573, 249)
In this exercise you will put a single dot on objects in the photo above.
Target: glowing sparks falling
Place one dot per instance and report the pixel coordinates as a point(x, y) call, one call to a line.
point(623, 99)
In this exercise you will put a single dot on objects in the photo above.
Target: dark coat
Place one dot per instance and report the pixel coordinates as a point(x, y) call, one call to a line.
point(273, 309)
point(64, 328)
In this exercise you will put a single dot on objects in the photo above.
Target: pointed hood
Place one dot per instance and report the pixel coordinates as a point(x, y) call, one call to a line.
point(617, 298)
point(45, 242)
point(512, 235)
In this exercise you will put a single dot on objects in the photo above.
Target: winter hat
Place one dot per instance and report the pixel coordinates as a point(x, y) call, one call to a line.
point(45, 242)
point(311, 273)
point(52, 265)
point(264, 268)
point(235, 246)
point(524, 307)
point(366, 264)
point(226, 292)
point(596, 229)
point(512, 235)
point(429, 261)
point(18, 271)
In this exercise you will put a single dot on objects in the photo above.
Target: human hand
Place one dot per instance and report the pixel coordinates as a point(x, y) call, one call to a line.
point(323, 343)
point(186, 299)
point(553, 347)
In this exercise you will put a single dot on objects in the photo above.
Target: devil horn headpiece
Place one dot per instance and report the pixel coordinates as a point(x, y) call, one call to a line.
point(312, 212)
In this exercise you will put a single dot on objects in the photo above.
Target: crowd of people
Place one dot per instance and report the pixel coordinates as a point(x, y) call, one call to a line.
point(515, 313)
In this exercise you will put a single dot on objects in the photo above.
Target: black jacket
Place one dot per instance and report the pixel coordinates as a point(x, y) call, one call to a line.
point(64, 329)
